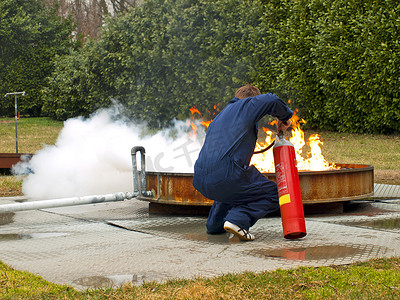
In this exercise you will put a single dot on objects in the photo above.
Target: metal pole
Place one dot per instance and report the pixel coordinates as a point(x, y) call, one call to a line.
point(16, 116)
point(16, 124)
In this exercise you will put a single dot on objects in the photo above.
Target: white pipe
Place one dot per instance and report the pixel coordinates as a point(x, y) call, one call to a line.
point(33, 205)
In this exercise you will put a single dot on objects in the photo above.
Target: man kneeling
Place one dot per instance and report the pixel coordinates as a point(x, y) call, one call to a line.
point(241, 194)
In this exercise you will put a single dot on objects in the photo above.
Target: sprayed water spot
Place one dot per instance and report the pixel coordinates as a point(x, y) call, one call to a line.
point(315, 252)
point(6, 218)
point(39, 235)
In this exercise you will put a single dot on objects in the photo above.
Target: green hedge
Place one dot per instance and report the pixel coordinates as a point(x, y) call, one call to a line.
point(339, 61)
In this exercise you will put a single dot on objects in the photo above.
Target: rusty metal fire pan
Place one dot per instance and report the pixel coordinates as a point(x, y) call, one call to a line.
point(7, 160)
point(351, 182)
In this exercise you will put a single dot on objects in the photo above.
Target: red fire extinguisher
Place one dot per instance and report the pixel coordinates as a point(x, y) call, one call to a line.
point(287, 178)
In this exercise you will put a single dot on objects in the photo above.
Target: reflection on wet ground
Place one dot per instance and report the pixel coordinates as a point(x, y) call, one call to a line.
point(108, 281)
point(363, 208)
point(380, 224)
point(195, 231)
point(95, 282)
point(311, 253)
point(6, 218)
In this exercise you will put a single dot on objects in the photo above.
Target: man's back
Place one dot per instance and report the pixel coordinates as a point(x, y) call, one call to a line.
point(233, 133)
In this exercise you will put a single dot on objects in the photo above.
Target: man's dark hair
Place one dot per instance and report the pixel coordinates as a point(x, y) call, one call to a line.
point(246, 91)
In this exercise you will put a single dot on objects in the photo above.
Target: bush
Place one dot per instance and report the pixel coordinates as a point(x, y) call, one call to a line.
point(77, 87)
point(338, 60)
point(31, 36)
point(161, 59)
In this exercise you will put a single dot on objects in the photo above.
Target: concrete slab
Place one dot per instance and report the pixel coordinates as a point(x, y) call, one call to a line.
point(386, 191)
point(107, 244)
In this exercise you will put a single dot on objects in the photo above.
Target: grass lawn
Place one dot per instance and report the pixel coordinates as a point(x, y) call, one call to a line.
point(381, 151)
point(375, 279)
point(33, 134)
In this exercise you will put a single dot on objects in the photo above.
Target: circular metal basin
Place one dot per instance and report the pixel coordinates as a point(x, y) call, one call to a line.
point(351, 182)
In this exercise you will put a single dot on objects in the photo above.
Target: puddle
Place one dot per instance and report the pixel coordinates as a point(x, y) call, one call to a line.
point(363, 209)
point(380, 224)
point(39, 235)
point(94, 282)
point(6, 218)
point(311, 253)
point(21, 200)
point(112, 281)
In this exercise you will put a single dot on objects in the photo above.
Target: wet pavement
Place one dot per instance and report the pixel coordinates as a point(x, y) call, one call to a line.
point(107, 244)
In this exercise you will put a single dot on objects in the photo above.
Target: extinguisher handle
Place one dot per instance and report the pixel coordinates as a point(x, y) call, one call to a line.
point(281, 135)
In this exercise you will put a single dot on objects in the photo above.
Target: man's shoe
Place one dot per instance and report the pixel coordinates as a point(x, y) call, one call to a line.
point(241, 233)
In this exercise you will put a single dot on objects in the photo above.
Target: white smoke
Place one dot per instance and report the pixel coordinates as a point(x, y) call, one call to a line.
point(93, 156)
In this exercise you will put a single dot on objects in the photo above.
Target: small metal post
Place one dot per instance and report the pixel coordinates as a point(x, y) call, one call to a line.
point(139, 177)
point(16, 116)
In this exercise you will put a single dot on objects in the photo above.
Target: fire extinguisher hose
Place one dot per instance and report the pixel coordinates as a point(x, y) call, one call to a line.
point(265, 149)
point(280, 135)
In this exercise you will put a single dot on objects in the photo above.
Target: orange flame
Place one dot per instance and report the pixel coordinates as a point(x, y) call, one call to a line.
point(206, 123)
point(190, 123)
point(264, 162)
point(194, 129)
point(194, 110)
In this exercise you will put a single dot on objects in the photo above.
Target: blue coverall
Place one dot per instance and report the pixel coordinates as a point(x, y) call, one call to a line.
point(241, 194)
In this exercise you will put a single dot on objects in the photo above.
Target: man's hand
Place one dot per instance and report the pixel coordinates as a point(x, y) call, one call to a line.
point(282, 126)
